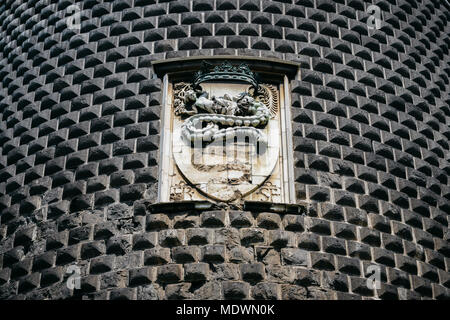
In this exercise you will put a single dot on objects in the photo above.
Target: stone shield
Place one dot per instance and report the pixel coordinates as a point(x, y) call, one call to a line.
point(232, 168)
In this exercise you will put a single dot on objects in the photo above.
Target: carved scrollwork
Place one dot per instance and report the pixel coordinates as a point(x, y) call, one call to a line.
point(268, 191)
point(217, 118)
point(179, 95)
point(267, 94)
point(179, 191)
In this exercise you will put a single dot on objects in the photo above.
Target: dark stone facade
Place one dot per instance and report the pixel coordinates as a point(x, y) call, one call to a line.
point(79, 141)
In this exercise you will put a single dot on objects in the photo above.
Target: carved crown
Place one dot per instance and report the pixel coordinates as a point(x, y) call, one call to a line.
point(225, 71)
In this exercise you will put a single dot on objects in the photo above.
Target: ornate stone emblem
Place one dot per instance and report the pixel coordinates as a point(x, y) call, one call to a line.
point(220, 118)
point(225, 137)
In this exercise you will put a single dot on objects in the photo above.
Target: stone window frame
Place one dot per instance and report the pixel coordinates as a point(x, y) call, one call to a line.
point(176, 69)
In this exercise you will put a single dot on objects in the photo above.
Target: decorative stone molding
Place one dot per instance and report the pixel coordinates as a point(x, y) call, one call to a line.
point(226, 137)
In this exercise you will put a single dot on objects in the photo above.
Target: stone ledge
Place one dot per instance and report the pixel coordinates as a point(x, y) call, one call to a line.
point(204, 205)
point(262, 65)
point(179, 206)
point(285, 208)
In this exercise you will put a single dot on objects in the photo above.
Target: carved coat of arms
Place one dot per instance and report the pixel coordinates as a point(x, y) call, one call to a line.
point(225, 135)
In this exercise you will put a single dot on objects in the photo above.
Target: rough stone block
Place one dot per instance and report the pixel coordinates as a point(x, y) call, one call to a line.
point(170, 273)
point(196, 272)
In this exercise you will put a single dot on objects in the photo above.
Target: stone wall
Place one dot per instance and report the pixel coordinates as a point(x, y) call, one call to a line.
point(79, 140)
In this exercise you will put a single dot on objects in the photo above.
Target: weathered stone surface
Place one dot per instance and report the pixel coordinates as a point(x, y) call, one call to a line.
point(266, 291)
point(235, 290)
point(170, 273)
point(296, 257)
point(196, 272)
point(114, 280)
point(226, 271)
point(142, 276)
point(209, 291)
point(119, 211)
point(293, 292)
point(178, 291)
point(253, 272)
point(80, 133)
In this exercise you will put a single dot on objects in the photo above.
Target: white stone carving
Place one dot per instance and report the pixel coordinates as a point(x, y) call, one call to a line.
point(227, 160)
